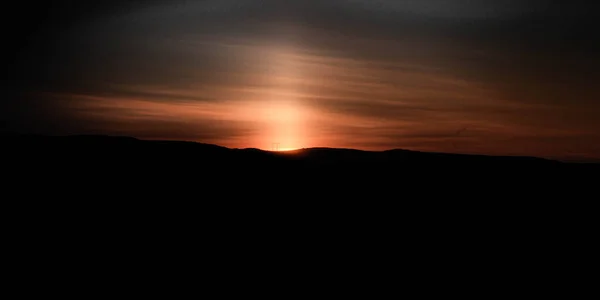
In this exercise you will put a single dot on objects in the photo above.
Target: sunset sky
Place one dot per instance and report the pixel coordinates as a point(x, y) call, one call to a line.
point(491, 77)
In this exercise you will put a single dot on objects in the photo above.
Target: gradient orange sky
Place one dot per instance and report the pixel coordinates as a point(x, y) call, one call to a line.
point(457, 79)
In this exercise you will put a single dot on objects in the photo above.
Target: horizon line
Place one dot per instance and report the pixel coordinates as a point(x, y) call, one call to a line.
point(580, 160)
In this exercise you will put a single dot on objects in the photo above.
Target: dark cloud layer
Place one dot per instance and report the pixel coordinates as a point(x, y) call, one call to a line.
point(350, 73)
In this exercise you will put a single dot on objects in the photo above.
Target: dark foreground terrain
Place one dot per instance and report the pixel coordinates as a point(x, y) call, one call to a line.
point(89, 166)
point(95, 174)
point(109, 202)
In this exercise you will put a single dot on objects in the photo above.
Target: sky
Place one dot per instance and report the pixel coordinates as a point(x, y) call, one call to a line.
point(483, 77)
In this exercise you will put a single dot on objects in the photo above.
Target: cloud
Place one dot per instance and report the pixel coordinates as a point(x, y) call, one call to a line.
point(139, 117)
point(370, 74)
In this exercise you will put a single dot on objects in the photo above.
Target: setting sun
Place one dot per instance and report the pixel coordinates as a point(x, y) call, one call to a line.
point(284, 125)
point(285, 149)
point(282, 115)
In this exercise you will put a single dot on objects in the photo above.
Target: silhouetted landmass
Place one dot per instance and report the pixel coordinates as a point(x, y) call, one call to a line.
point(79, 190)
point(123, 174)
point(149, 164)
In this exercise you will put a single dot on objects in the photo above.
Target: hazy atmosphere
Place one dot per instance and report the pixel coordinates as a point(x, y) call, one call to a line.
point(487, 77)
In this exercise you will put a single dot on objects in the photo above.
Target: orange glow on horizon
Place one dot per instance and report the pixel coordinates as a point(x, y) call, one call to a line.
point(283, 118)
point(283, 124)
point(305, 100)
point(285, 149)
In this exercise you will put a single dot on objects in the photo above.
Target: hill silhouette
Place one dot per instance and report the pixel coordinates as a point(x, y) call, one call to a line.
point(121, 189)
point(121, 149)
point(99, 173)
point(106, 158)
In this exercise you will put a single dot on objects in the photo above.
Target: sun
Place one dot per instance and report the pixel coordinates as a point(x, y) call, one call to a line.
point(285, 126)
point(278, 111)
point(287, 149)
